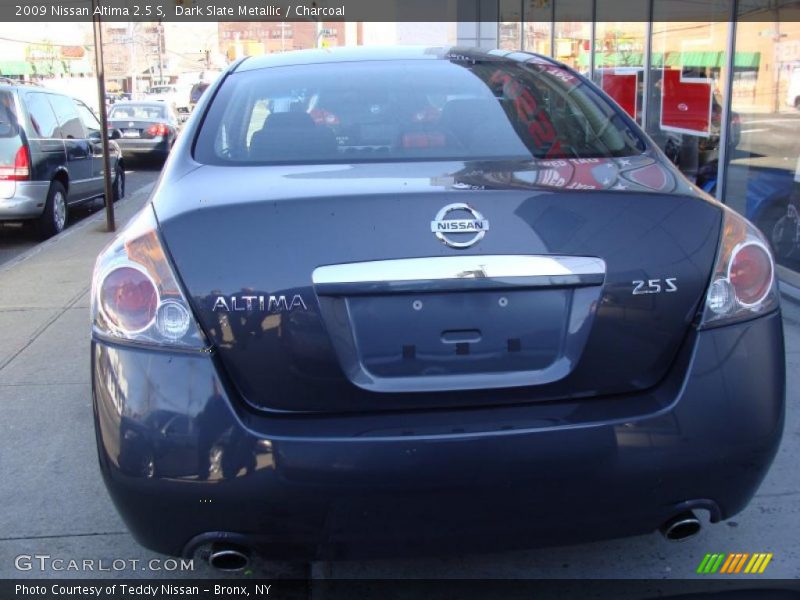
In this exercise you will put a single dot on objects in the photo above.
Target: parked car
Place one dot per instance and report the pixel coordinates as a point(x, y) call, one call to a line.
point(51, 157)
point(426, 300)
point(196, 93)
point(173, 95)
point(143, 129)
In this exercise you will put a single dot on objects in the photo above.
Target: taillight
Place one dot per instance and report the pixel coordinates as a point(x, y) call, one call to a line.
point(128, 299)
point(743, 282)
point(158, 129)
point(750, 273)
point(20, 170)
point(135, 294)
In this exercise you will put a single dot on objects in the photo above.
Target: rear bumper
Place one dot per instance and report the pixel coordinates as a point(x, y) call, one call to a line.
point(141, 148)
point(182, 457)
point(27, 202)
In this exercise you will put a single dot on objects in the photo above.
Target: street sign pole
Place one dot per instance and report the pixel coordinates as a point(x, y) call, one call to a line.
point(101, 96)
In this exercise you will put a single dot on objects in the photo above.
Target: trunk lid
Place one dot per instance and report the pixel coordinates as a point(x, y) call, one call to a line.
point(328, 288)
point(133, 129)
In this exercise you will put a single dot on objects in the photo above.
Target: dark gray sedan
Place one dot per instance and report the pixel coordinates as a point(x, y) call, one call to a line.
point(143, 129)
point(421, 301)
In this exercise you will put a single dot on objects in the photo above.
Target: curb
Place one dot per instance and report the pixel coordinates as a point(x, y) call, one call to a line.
point(85, 223)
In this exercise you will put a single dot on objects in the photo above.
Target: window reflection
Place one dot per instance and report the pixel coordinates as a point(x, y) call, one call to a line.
point(572, 44)
point(619, 63)
point(537, 29)
point(688, 73)
point(510, 27)
point(688, 76)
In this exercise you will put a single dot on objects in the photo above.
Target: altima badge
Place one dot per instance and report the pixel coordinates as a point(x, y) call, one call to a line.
point(270, 304)
point(459, 233)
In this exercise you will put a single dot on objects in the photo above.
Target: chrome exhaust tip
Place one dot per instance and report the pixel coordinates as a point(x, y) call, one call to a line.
point(228, 558)
point(681, 527)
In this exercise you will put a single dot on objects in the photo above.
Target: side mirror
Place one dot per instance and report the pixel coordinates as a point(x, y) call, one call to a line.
point(114, 134)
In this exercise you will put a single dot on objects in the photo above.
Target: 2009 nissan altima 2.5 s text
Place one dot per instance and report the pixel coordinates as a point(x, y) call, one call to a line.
point(415, 301)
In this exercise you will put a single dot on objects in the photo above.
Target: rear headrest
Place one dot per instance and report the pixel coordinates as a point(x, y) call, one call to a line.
point(289, 136)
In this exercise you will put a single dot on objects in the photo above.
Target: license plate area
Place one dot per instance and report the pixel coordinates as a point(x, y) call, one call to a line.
point(418, 335)
point(459, 322)
point(131, 133)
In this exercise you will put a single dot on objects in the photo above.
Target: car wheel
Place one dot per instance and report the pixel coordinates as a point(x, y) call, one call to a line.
point(118, 185)
point(54, 217)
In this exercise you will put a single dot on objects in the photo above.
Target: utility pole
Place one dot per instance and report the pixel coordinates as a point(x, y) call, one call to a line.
point(101, 97)
point(160, 54)
point(132, 38)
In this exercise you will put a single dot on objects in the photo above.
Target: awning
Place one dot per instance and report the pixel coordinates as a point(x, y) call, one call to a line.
point(612, 59)
point(10, 68)
point(78, 67)
point(747, 60)
point(742, 60)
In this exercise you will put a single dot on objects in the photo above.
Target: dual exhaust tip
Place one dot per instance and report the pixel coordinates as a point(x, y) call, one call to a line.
point(229, 558)
point(232, 558)
point(681, 527)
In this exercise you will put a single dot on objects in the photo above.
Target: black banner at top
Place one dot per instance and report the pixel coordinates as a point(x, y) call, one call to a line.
point(400, 10)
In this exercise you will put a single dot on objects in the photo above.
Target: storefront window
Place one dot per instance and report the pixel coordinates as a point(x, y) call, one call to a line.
point(763, 174)
point(690, 71)
point(573, 33)
point(688, 74)
point(537, 28)
point(619, 52)
point(510, 26)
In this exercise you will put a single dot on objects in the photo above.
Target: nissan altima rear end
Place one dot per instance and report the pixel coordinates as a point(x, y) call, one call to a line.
point(421, 301)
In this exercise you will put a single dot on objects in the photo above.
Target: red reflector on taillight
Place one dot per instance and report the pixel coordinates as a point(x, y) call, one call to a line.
point(21, 169)
point(129, 299)
point(160, 129)
point(750, 273)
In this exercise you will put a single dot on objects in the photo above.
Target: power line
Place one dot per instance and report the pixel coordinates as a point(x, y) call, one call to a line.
point(42, 43)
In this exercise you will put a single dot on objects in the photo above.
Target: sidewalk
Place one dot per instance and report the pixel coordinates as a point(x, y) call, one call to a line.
point(53, 498)
point(54, 502)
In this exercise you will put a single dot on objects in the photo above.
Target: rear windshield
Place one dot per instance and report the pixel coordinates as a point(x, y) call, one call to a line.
point(142, 112)
point(410, 110)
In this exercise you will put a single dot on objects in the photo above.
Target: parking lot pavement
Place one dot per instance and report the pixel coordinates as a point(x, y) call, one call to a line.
point(54, 502)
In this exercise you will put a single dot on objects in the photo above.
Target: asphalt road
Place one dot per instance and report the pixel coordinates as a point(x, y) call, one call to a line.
point(15, 239)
